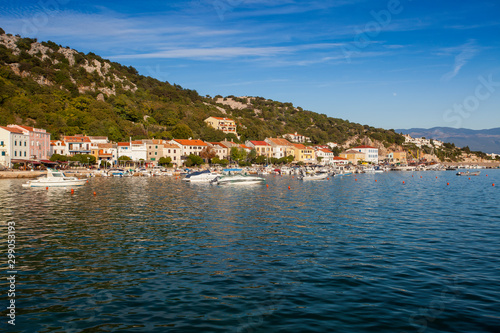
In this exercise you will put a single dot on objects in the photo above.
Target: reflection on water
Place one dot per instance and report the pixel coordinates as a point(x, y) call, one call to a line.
point(158, 254)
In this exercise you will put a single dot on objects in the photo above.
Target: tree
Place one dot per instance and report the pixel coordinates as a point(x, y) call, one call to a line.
point(165, 161)
point(124, 160)
point(193, 160)
point(208, 153)
point(222, 162)
point(57, 157)
point(182, 131)
point(238, 154)
point(84, 158)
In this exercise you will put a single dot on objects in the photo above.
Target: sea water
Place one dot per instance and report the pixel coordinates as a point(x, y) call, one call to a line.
point(359, 253)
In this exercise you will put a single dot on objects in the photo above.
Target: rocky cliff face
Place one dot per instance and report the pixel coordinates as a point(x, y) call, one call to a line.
point(53, 55)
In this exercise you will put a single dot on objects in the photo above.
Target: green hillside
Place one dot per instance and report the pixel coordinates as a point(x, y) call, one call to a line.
point(69, 92)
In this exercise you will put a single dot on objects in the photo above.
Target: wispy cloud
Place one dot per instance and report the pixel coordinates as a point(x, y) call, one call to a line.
point(467, 52)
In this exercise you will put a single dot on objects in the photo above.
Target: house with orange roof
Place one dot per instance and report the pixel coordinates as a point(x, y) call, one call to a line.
point(304, 154)
point(14, 145)
point(325, 155)
point(39, 141)
point(58, 147)
point(337, 160)
point(135, 150)
point(280, 147)
point(223, 124)
point(105, 152)
point(174, 152)
point(370, 152)
point(262, 148)
point(221, 150)
point(353, 156)
point(77, 144)
point(189, 146)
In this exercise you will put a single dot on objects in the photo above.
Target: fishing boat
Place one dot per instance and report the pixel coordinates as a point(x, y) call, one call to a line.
point(237, 180)
point(204, 176)
point(55, 178)
point(467, 173)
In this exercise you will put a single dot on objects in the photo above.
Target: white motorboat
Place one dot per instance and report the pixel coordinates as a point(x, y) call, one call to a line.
point(314, 176)
point(55, 178)
point(468, 173)
point(204, 176)
point(237, 180)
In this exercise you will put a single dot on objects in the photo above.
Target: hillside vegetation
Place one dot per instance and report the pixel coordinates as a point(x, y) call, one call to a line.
point(68, 92)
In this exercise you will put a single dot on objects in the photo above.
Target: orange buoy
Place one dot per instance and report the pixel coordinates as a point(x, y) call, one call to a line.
point(87, 180)
point(486, 175)
point(94, 193)
point(469, 178)
point(328, 178)
point(420, 176)
point(375, 180)
point(412, 176)
point(403, 181)
point(492, 184)
point(447, 183)
point(72, 191)
point(288, 187)
point(267, 185)
point(436, 177)
point(356, 179)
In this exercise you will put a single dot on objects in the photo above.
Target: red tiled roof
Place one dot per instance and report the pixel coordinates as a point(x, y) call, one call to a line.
point(365, 146)
point(299, 145)
point(340, 158)
point(123, 144)
point(76, 139)
point(190, 142)
point(280, 142)
point(220, 118)
point(260, 143)
point(13, 130)
point(326, 151)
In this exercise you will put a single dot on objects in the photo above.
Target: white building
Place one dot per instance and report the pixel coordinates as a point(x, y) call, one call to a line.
point(14, 145)
point(326, 156)
point(136, 150)
point(294, 137)
point(371, 153)
point(189, 147)
point(58, 147)
point(221, 151)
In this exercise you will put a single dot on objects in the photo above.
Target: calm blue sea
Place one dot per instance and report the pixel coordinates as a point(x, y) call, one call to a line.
point(360, 253)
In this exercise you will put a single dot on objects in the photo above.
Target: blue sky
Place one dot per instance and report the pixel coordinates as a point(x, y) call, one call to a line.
point(390, 64)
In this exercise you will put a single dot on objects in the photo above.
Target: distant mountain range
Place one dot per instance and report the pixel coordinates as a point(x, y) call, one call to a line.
point(487, 140)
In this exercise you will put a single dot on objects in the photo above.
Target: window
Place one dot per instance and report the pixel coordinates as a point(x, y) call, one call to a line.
point(156, 153)
point(15, 153)
point(15, 143)
point(1, 143)
point(3, 153)
point(24, 154)
point(25, 143)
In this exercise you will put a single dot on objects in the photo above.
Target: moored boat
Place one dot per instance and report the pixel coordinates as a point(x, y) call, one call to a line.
point(204, 176)
point(55, 178)
point(237, 180)
point(467, 173)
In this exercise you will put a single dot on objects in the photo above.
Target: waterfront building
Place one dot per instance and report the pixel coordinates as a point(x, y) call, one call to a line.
point(353, 156)
point(326, 156)
point(371, 153)
point(280, 147)
point(304, 154)
point(397, 157)
point(174, 152)
point(78, 144)
point(135, 150)
point(14, 146)
point(58, 147)
point(154, 150)
point(337, 160)
point(221, 151)
point(190, 146)
point(105, 152)
point(262, 148)
point(294, 137)
point(39, 141)
point(225, 125)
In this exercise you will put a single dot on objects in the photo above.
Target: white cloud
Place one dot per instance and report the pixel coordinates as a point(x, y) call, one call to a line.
point(467, 52)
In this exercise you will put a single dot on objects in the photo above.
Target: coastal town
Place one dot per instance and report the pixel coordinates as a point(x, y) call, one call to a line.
point(29, 147)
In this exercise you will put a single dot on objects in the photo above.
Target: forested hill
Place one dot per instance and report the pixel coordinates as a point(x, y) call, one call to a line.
point(67, 92)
